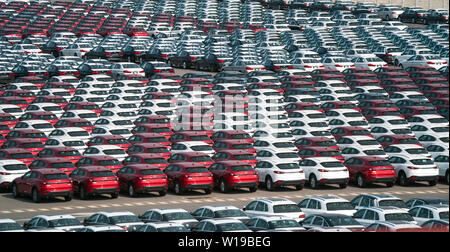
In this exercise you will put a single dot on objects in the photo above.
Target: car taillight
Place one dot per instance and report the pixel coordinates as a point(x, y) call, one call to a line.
point(192, 58)
point(431, 63)
point(4, 173)
point(337, 65)
point(248, 68)
point(126, 71)
point(372, 65)
point(301, 216)
point(278, 172)
point(412, 168)
point(322, 170)
point(220, 61)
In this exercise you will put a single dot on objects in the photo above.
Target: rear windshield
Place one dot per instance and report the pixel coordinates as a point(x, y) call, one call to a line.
point(99, 174)
point(286, 208)
point(151, 172)
point(197, 170)
point(21, 156)
point(109, 162)
point(56, 176)
point(336, 206)
point(15, 167)
point(63, 165)
point(239, 168)
point(398, 217)
point(201, 159)
point(394, 203)
point(380, 163)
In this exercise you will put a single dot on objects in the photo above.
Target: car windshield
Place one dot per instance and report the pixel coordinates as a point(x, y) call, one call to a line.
point(99, 174)
point(288, 166)
point(342, 221)
point(332, 164)
point(201, 159)
point(398, 217)
point(9, 226)
point(286, 208)
point(283, 224)
point(15, 167)
point(230, 213)
point(422, 161)
point(109, 162)
point(114, 152)
point(202, 148)
point(197, 170)
point(336, 206)
point(124, 219)
point(56, 176)
point(64, 222)
point(287, 155)
point(173, 229)
point(394, 203)
point(231, 226)
point(177, 216)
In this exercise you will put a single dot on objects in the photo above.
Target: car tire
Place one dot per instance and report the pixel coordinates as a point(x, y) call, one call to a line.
point(35, 196)
point(177, 188)
point(208, 191)
point(299, 187)
point(390, 184)
point(83, 194)
point(68, 197)
point(253, 189)
point(115, 195)
point(162, 193)
point(432, 183)
point(402, 180)
point(15, 191)
point(360, 181)
point(313, 182)
point(343, 186)
point(131, 190)
point(269, 184)
point(223, 187)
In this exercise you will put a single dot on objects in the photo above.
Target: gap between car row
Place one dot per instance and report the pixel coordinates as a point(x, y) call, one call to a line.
point(190, 201)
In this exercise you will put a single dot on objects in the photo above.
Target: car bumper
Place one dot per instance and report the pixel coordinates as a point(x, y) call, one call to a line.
point(334, 181)
point(381, 180)
point(290, 182)
point(56, 193)
point(198, 186)
point(244, 184)
point(103, 190)
point(152, 188)
point(423, 178)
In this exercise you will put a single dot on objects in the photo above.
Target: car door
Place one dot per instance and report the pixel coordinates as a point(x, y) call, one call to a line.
point(423, 216)
point(368, 218)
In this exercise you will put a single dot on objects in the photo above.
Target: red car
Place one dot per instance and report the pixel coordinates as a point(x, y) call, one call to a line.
point(193, 156)
point(27, 133)
point(17, 153)
point(61, 164)
point(430, 80)
point(388, 75)
point(338, 105)
point(43, 183)
point(232, 135)
point(155, 119)
point(369, 113)
point(15, 100)
point(152, 148)
point(101, 160)
point(370, 169)
point(236, 155)
point(339, 132)
point(153, 128)
point(4, 129)
point(234, 174)
point(84, 105)
point(116, 140)
point(434, 87)
point(146, 158)
point(40, 115)
point(189, 176)
point(231, 144)
point(401, 88)
point(408, 111)
point(30, 144)
point(149, 138)
point(68, 153)
point(362, 82)
point(316, 141)
point(29, 96)
point(376, 103)
point(57, 99)
point(387, 140)
point(311, 151)
point(302, 106)
point(8, 119)
point(182, 136)
point(142, 178)
point(75, 122)
point(94, 180)
point(64, 85)
point(397, 81)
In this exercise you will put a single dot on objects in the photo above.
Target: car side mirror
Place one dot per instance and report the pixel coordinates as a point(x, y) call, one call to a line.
point(244, 208)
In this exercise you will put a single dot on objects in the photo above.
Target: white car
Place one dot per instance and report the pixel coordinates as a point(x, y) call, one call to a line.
point(389, 125)
point(161, 227)
point(59, 222)
point(324, 170)
point(274, 224)
point(337, 63)
point(76, 49)
point(11, 169)
point(326, 204)
point(70, 133)
point(349, 152)
point(106, 149)
point(9, 225)
point(368, 215)
point(378, 200)
point(213, 212)
point(124, 68)
point(309, 64)
point(121, 219)
point(411, 168)
point(64, 142)
point(11, 109)
point(407, 149)
point(189, 146)
point(275, 145)
point(220, 225)
point(442, 162)
point(434, 61)
point(372, 63)
point(386, 226)
point(424, 213)
point(171, 215)
point(274, 207)
point(280, 173)
point(111, 130)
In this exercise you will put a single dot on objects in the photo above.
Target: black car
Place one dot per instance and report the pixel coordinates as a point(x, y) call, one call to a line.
point(321, 5)
point(211, 62)
point(436, 16)
point(413, 16)
point(185, 59)
point(150, 68)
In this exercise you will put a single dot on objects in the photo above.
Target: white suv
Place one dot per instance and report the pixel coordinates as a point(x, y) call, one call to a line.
point(411, 168)
point(274, 207)
point(424, 213)
point(279, 173)
point(368, 215)
point(324, 170)
point(11, 169)
point(326, 204)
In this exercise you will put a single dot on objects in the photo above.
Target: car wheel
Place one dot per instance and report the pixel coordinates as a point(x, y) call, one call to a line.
point(299, 187)
point(223, 188)
point(313, 182)
point(390, 184)
point(68, 197)
point(396, 62)
point(177, 188)
point(402, 180)
point(343, 186)
point(131, 190)
point(115, 195)
point(432, 183)
point(35, 196)
point(83, 194)
point(360, 181)
point(253, 189)
point(208, 191)
point(162, 193)
point(269, 184)
point(15, 191)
